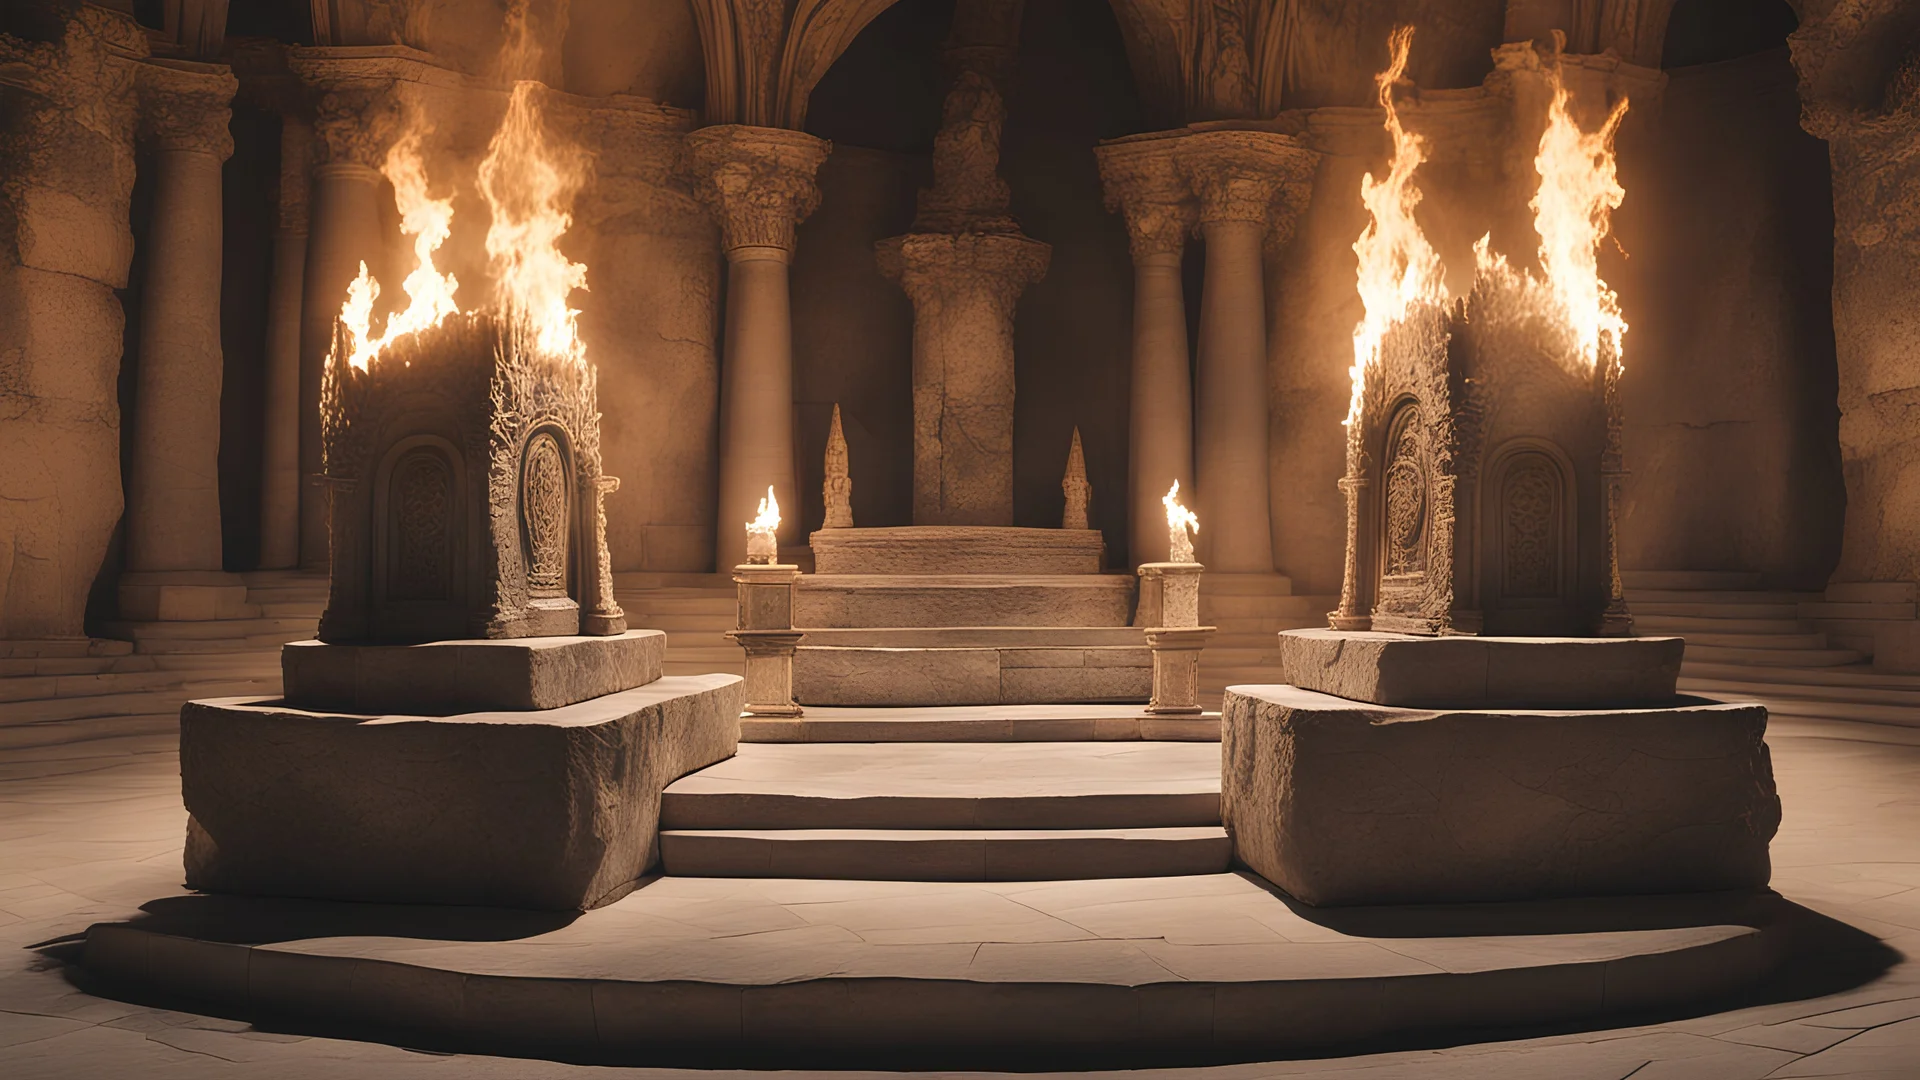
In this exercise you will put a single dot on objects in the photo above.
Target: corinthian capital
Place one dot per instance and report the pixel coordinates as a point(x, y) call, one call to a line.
point(757, 182)
point(355, 125)
point(187, 106)
point(1143, 183)
point(1236, 174)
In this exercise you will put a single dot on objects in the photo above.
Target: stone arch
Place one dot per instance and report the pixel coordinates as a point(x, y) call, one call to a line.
point(419, 542)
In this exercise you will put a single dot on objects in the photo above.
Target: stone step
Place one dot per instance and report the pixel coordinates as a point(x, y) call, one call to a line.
point(1266, 655)
point(227, 629)
point(61, 648)
point(980, 723)
point(1852, 675)
point(625, 581)
point(1872, 592)
point(946, 854)
point(982, 550)
point(1686, 625)
point(1637, 597)
point(683, 621)
point(1690, 579)
point(140, 702)
point(954, 600)
point(1716, 610)
point(107, 684)
point(1857, 695)
point(24, 667)
point(308, 610)
point(1825, 706)
point(1214, 583)
point(1773, 657)
point(1823, 609)
point(654, 606)
point(65, 733)
point(1696, 639)
point(1213, 609)
point(1043, 785)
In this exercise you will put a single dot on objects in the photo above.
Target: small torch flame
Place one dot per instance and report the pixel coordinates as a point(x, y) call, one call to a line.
point(1182, 526)
point(762, 548)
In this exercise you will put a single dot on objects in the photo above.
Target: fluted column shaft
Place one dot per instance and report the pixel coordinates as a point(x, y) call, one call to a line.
point(280, 450)
point(758, 184)
point(1142, 183)
point(173, 488)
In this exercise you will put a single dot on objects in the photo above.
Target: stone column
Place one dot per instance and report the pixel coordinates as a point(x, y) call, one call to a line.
point(1142, 183)
point(173, 555)
point(280, 470)
point(354, 125)
point(758, 184)
point(1235, 174)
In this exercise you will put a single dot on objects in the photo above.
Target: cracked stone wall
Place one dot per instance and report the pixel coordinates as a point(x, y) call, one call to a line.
point(1732, 430)
point(66, 176)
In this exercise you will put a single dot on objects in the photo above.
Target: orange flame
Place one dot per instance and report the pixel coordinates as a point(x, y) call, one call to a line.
point(1398, 267)
point(762, 547)
point(529, 180)
point(1579, 190)
point(429, 221)
point(1179, 521)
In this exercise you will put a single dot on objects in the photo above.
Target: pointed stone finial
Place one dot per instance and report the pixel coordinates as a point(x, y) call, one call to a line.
point(1076, 487)
point(838, 487)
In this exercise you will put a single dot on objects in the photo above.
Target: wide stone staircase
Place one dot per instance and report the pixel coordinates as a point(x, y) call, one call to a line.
point(1801, 654)
point(694, 610)
point(936, 810)
point(134, 680)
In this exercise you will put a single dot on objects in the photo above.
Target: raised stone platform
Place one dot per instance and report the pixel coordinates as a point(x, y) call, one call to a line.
point(972, 666)
point(446, 677)
point(1434, 672)
point(1344, 802)
point(957, 549)
point(1118, 972)
point(928, 600)
point(556, 809)
point(981, 723)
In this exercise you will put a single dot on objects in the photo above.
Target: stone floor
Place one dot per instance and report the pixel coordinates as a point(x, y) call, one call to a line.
point(90, 831)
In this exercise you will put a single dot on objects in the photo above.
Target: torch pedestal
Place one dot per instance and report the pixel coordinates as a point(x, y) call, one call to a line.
point(766, 634)
point(1170, 609)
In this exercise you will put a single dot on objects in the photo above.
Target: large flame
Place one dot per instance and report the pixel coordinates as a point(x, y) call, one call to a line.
point(529, 180)
point(1182, 526)
point(1579, 190)
point(429, 221)
point(1398, 267)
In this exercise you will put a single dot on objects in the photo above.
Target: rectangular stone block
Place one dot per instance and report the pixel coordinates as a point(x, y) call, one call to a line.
point(878, 676)
point(925, 600)
point(441, 678)
point(554, 810)
point(1340, 802)
point(957, 549)
point(1434, 672)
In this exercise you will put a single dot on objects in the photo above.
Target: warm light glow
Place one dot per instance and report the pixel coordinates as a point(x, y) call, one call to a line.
point(761, 545)
point(1182, 526)
point(429, 292)
point(528, 180)
point(1579, 190)
point(1398, 267)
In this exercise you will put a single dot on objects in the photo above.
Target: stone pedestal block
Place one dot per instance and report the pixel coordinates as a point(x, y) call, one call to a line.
point(556, 810)
point(1424, 672)
point(1169, 594)
point(1176, 668)
point(765, 596)
point(769, 670)
point(445, 677)
point(1339, 802)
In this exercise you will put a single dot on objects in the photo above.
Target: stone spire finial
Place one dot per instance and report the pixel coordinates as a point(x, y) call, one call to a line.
point(838, 487)
point(1077, 489)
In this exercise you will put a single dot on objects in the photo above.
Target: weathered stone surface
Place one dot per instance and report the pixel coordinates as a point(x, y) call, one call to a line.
point(1427, 672)
point(441, 678)
point(904, 600)
point(1343, 803)
point(957, 549)
point(981, 674)
point(554, 810)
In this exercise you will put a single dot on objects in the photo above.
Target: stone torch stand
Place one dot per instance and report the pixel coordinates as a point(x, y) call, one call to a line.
point(766, 634)
point(1170, 612)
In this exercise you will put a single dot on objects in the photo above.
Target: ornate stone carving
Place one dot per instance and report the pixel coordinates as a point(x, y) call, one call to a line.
point(1142, 183)
point(837, 489)
point(757, 182)
point(1237, 174)
point(186, 107)
point(356, 125)
point(1075, 487)
point(518, 433)
point(1454, 388)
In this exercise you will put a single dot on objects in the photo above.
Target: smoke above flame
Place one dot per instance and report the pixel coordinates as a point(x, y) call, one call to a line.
point(1398, 267)
point(1572, 207)
point(528, 180)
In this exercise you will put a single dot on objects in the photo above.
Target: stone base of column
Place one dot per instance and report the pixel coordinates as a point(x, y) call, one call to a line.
point(769, 670)
point(182, 596)
point(1176, 668)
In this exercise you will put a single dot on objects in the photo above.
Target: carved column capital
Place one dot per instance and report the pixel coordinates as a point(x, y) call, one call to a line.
point(1237, 174)
point(934, 266)
point(1144, 184)
point(187, 106)
point(355, 125)
point(757, 182)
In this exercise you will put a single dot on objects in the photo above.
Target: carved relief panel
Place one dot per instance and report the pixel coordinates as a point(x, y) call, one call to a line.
point(546, 516)
point(418, 518)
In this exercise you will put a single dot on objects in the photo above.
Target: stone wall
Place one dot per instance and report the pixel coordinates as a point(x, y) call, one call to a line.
point(1732, 430)
point(66, 177)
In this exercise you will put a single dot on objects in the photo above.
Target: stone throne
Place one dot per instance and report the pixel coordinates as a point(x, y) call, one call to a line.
point(468, 498)
point(1483, 476)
